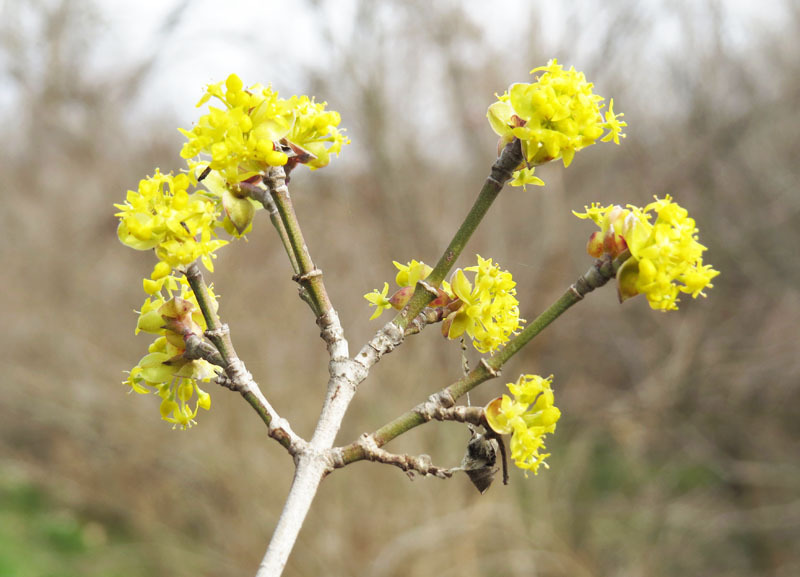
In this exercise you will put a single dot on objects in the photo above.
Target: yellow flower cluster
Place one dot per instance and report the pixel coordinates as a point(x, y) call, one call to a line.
point(489, 310)
point(528, 417)
point(179, 220)
point(553, 117)
point(244, 138)
point(667, 258)
point(486, 310)
point(164, 370)
point(164, 216)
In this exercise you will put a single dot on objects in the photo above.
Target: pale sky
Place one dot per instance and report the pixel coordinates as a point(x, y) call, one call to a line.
point(267, 40)
point(254, 37)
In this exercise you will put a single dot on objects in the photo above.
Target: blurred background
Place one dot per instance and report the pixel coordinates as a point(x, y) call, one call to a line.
point(677, 452)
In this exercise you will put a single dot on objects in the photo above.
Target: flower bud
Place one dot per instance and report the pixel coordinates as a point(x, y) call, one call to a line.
point(154, 370)
point(442, 300)
point(160, 271)
point(595, 245)
point(203, 399)
point(627, 277)
point(240, 211)
point(150, 322)
point(401, 297)
point(167, 407)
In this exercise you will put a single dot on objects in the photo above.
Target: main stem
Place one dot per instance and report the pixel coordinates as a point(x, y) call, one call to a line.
point(315, 462)
point(307, 477)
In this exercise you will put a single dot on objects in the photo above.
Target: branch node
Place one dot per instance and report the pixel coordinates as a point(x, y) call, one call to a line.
point(219, 332)
point(337, 458)
point(445, 398)
point(224, 380)
point(489, 369)
point(573, 289)
point(429, 288)
point(313, 273)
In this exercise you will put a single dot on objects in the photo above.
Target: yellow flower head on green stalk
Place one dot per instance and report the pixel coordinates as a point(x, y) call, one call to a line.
point(164, 216)
point(527, 417)
point(171, 312)
point(666, 257)
point(553, 117)
point(488, 311)
point(255, 129)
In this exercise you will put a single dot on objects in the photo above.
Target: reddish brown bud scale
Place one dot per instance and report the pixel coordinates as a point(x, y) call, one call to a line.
point(400, 299)
point(447, 323)
point(595, 245)
point(441, 301)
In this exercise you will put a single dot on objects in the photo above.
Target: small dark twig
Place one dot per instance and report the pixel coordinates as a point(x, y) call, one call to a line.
point(410, 464)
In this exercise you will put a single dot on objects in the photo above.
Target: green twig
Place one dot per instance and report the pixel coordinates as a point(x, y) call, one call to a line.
point(306, 274)
point(508, 161)
point(262, 196)
point(238, 378)
point(215, 334)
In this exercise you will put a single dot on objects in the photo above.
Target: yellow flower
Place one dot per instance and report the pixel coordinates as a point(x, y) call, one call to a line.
point(528, 417)
point(316, 130)
point(244, 139)
point(173, 317)
point(667, 258)
point(379, 301)
point(177, 385)
point(524, 176)
point(410, 273)
point(553, 117)
point(162, 215)
point(613, 124)
point(489, 310)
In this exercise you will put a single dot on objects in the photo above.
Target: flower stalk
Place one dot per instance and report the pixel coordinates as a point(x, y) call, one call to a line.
point(306, 274)
point(262, 196)
point(502, 169)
